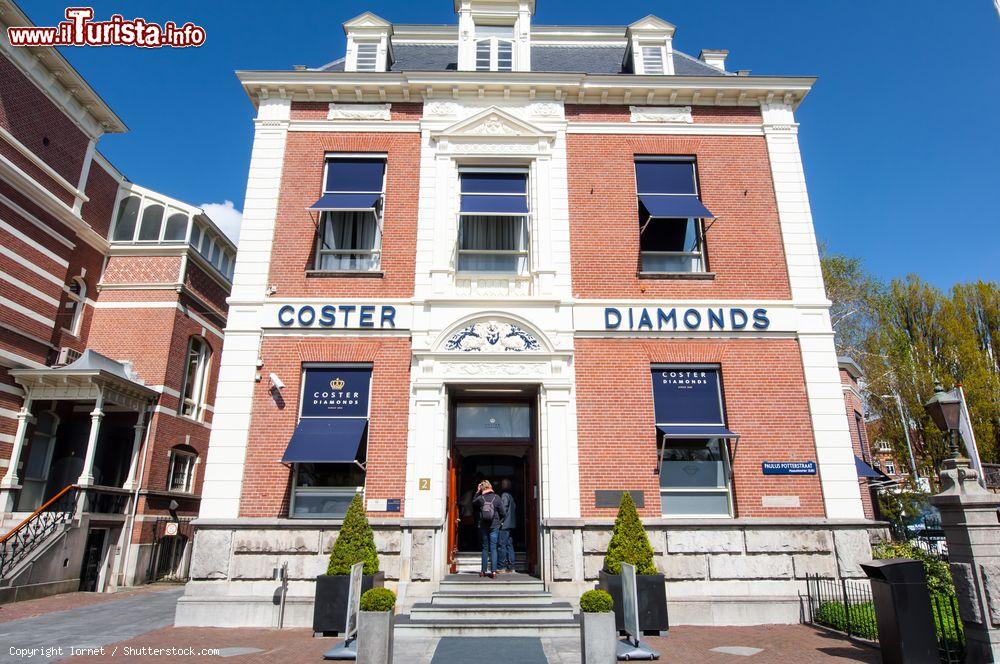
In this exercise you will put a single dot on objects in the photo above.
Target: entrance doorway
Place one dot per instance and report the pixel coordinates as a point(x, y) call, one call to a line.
point(93, 555)
point(493, 437)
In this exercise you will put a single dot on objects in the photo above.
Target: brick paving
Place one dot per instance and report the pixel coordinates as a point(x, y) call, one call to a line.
point(779, 644)
point(44, 605)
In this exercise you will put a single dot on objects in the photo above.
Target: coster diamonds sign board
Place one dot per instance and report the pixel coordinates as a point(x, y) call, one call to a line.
point(336, 392)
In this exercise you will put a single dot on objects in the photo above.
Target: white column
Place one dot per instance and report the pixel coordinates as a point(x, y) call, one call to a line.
point(559, 458)
point(96, 415)
point(9, 485)
point(834, 450)
point(227, 447)
point(427, 452)
point(136, 445)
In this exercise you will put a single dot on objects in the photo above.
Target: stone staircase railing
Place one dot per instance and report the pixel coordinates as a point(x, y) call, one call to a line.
point(25, 537)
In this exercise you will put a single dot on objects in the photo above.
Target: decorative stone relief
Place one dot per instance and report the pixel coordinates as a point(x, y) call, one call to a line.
point(492, 336)
point(498, 148)
point(493, 369)
point(671, 114)
point(359, 112)
point(442, 108)
point(546, 109)
point(965, 588)
point(492, 125)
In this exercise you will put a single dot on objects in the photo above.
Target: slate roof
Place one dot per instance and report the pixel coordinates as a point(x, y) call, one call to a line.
point(574, 59)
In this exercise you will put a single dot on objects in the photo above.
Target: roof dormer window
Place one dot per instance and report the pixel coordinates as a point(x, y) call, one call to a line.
point(494, 48)
point(652, 59)
point(368, 56)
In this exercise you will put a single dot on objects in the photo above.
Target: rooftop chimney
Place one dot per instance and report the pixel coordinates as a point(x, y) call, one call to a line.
point(715, 59)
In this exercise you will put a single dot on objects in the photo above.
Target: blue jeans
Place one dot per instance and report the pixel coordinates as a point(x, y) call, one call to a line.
point(505, 549)
point(488, 538)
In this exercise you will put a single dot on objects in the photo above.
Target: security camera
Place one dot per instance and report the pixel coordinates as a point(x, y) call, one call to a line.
point(276, 382)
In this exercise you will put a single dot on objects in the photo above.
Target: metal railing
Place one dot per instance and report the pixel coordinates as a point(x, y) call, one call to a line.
point(106, 500)
point(26, 536)
point(846, 605)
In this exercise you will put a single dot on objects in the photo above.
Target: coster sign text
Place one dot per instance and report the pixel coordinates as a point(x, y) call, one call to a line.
point(343, 316)
point(718, 318)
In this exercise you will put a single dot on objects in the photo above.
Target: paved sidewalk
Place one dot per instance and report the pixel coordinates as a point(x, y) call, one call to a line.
point(49, 637)
point(37, 607)
point(780, 644)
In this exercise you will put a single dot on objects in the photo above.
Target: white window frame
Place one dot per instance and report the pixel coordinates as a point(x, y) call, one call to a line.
point(358, 45)
point(193, 406)
point(494, 41)
point(79, 301)
point(663, 58)
point(699, 224)
point(726, 449)
point(528, 223)
point(890, 467)
point(376, 250)
point(191, 459)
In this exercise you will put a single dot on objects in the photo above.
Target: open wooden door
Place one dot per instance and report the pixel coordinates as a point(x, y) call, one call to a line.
point(453, 514)
point(531, 512)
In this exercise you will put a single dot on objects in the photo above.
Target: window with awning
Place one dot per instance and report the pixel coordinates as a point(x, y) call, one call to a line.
point(349, 232)
point(693, 441)
point(671, 214)
point(493, 221)
point(328, 449)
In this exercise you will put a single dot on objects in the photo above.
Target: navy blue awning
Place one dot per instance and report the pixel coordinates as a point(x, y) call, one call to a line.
point(504, 192)
point(864, 470)
point(346, 202)
point(355, 174)
point(675, 206)
point(695, 431)
point(326, 440)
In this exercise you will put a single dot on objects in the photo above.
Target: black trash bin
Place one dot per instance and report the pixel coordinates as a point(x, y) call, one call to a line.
point(903, 611)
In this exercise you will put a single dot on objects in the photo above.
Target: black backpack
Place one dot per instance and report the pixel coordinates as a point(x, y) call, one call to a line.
point(488, 510)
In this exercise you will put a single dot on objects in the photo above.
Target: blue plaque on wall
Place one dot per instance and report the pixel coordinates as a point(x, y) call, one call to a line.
point(788, 467)
point(393, 504)
point(336, 392)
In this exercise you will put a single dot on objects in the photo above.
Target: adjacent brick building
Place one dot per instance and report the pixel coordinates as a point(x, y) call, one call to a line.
point(574, 258)
point(112, 306)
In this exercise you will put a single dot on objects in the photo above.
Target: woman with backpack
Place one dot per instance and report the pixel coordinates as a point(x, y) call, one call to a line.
point(489, 515)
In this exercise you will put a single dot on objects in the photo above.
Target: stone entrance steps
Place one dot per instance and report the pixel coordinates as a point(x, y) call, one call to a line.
point(472, 561)
point(511, 604)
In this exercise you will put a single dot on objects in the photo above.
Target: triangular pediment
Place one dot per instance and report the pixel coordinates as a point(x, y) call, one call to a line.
point(366, 20)
point(651, 23)
point(495, 123)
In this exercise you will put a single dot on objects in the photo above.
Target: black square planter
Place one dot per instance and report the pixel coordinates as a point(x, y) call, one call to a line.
point(330, 609)
point(652, 595)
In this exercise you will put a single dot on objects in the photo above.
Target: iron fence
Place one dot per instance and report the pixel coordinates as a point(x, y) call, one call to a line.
point(28, 535)
point(846, 605)
point(170, 544)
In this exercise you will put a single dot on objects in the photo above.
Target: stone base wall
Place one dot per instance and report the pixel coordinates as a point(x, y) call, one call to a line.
point(733, 572)
point(232, 567)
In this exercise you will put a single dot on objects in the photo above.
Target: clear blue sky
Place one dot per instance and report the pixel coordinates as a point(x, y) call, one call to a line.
point(899, 137)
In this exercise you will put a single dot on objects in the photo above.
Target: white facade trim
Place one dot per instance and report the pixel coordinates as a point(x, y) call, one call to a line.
point(30, 265)
point(9, 359)
point(26, 311)
point(48, 230)
point(653, 129)
point(44, 167)
point(831, 429)
point(30, 290)
point(222, 487)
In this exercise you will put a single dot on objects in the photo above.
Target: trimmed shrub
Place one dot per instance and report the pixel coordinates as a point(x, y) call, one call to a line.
point(938, 575)
point(629, 542)
point(596, 601)
point(355, 544)
point(378, 599)
point(862, 616)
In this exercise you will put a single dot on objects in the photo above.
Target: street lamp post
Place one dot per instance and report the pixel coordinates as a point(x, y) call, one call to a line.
point(945, 409)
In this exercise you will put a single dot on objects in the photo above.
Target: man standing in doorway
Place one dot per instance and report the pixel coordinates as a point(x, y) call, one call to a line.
point(505, 544)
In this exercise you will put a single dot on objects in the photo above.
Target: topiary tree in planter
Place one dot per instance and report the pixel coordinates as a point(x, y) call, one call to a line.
point(598, 638)
point(375, 626)
point(355, 544)
point(630, 544)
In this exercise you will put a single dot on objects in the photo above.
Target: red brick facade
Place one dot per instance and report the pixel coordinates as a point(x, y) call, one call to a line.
point(743, 246)
point(859, 432)
point(765, 403)
point(266, 481)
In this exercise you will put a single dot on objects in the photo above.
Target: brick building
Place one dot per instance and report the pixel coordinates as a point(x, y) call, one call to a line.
point(574, 258)
point(112, 306)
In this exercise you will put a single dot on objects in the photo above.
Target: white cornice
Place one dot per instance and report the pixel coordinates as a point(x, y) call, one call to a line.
point(310, 85)
point(55, 76)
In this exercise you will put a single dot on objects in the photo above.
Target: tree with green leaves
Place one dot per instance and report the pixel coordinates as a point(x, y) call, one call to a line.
point(355, 543)
point(629, 542)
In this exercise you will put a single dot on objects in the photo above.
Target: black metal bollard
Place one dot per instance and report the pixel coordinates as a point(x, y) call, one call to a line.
point(903, 611)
